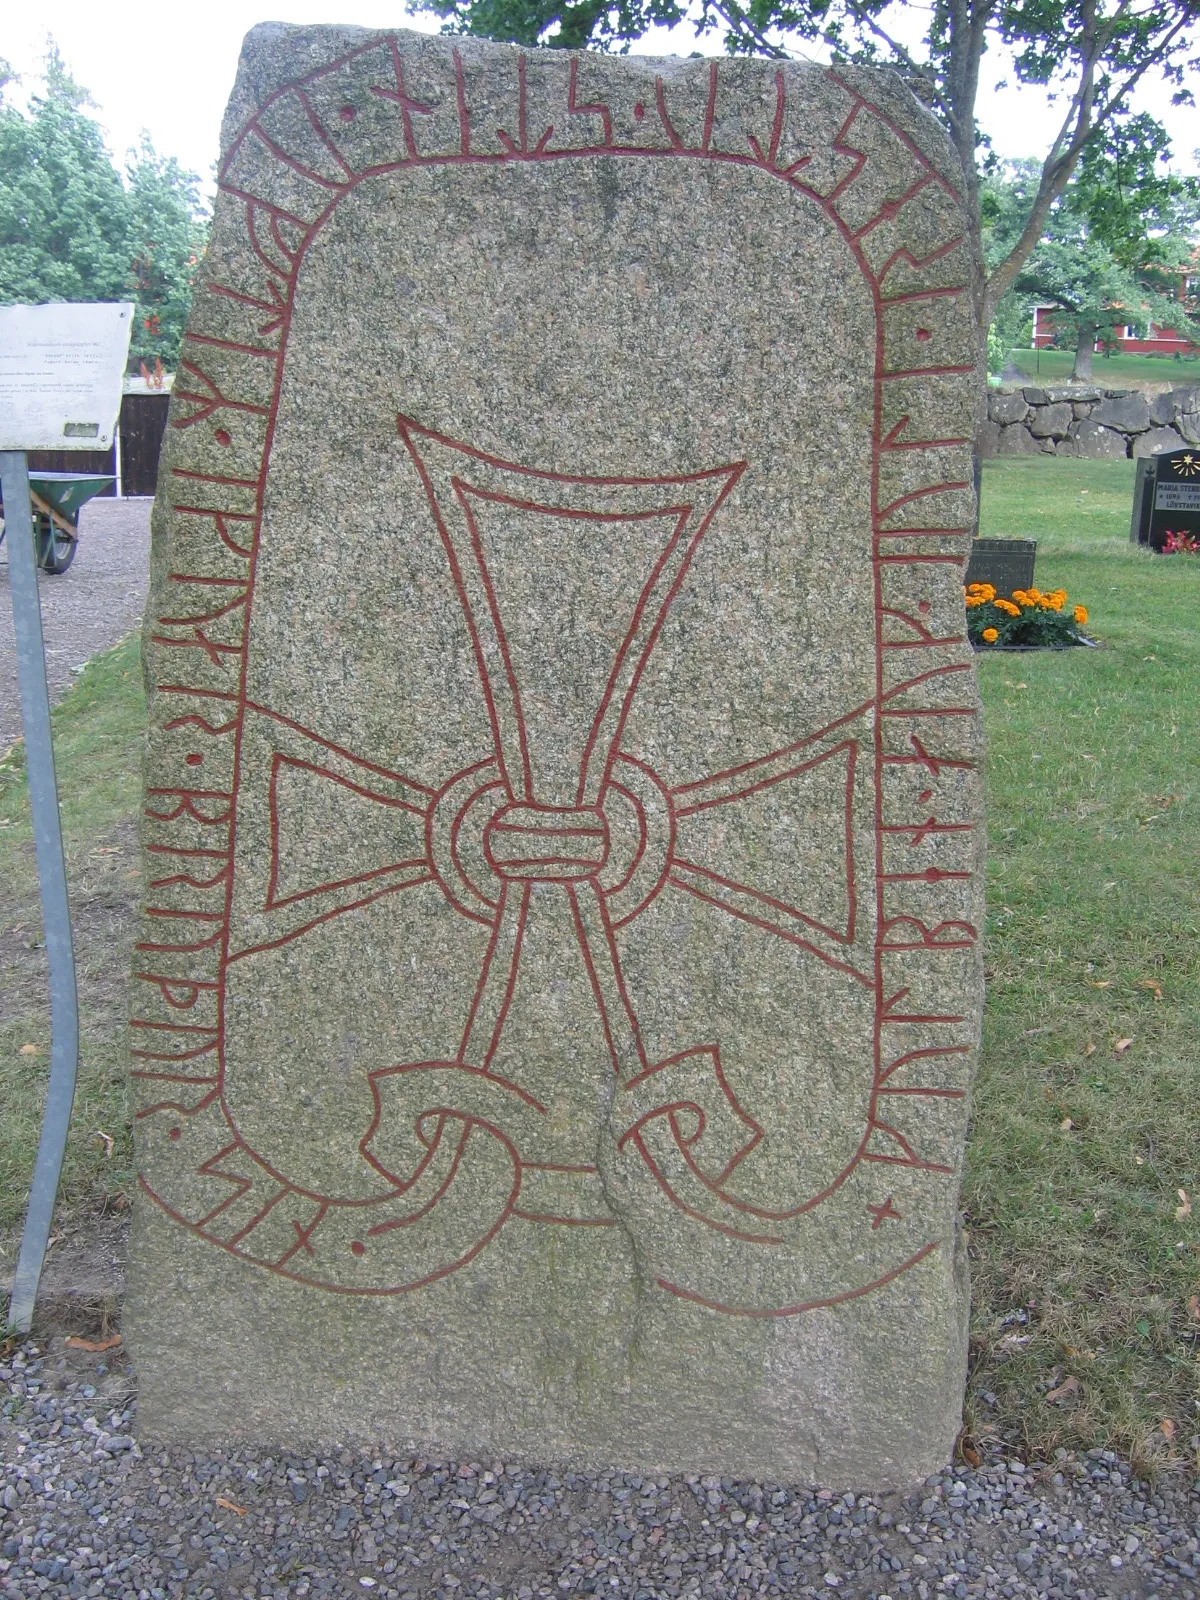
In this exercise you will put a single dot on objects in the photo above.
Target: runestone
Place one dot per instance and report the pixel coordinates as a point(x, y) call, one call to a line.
point(559, 979)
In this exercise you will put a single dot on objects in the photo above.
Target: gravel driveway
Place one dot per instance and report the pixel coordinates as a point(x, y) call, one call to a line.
point(98, 600)
point(85, 1513)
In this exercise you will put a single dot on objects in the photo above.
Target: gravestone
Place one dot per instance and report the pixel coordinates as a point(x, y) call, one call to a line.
point(1166, 498)
point(1007, 564)
point(560, 979)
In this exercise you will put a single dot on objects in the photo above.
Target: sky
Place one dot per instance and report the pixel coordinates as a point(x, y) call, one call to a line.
point(168, 70)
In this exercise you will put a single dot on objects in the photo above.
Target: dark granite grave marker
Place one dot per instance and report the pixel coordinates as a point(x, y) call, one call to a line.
point(1007, 564)
point(1166, 498)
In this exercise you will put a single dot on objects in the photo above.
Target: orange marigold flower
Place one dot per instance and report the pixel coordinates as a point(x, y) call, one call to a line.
point(1080, 614)
point(1021, 597)
point(1008, 608)
point(991, 635)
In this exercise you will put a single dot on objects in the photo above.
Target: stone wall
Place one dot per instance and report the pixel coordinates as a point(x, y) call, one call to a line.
point(1078, 420)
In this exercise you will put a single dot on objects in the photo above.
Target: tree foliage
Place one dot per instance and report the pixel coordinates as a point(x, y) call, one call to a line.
point(1113, 244)
point(1091, 54)
point(71, 228)
point(167, 234)
point(63, 210)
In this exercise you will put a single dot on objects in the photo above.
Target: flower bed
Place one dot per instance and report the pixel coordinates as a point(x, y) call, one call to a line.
point(1181, 544)
point(1030, 620)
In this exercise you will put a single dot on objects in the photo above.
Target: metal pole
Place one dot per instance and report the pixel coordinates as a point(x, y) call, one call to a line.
point(52, 877)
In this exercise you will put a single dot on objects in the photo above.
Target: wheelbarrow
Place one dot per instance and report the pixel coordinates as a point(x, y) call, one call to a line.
point(57, 499)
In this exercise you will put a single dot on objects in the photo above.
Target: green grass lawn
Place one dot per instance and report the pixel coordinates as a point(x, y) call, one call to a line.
point(97, 733)
point(1080, 1142)
point(1110, 372)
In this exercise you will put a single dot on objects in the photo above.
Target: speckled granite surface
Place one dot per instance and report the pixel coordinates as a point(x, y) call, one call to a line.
point(560, 980)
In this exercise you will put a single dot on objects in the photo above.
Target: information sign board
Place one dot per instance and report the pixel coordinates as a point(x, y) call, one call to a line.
point(61, 370)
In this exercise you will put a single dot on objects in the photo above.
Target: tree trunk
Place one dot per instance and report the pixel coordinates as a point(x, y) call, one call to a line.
point(1086, 344)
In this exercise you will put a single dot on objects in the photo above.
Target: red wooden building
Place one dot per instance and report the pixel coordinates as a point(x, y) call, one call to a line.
point(1158, 341)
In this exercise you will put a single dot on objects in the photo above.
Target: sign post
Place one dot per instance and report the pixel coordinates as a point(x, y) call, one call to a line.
point(61, 368)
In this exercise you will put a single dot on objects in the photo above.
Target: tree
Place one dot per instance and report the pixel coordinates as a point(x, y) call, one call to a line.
point(1091, 53)
point(1112, 244)
point(1147, 217)
point(71, 229)
point(63, 211)
point(1093, 293)
point(167, 234)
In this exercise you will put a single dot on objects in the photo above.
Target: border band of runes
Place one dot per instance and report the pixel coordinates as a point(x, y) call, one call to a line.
point(380, 110)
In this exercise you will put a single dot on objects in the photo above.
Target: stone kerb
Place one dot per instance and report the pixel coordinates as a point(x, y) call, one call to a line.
point(1083, 420)
point(560, 977)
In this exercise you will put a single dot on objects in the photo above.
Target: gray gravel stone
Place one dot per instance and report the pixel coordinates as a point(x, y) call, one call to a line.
point(1072, 392)
point(1180, 404)
point(1007, 408)
point(81, 1521)
point(1187, 415)
point(1017, 440)
point(1157, 440)
point(987, 440)
point(1094, 441)
point(1051, 422)
point(1129, 413)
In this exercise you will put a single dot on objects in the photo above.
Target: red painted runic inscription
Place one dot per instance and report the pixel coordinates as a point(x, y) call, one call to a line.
point(560, 833)
point(598, 831)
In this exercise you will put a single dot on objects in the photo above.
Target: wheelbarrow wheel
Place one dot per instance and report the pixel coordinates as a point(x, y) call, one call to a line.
point(56, 550)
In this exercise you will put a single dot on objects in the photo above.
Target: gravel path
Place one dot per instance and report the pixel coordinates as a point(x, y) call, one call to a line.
point(98, 600)
point(84, 1512)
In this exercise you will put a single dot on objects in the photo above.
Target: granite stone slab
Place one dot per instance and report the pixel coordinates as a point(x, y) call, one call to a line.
point(560, 978)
